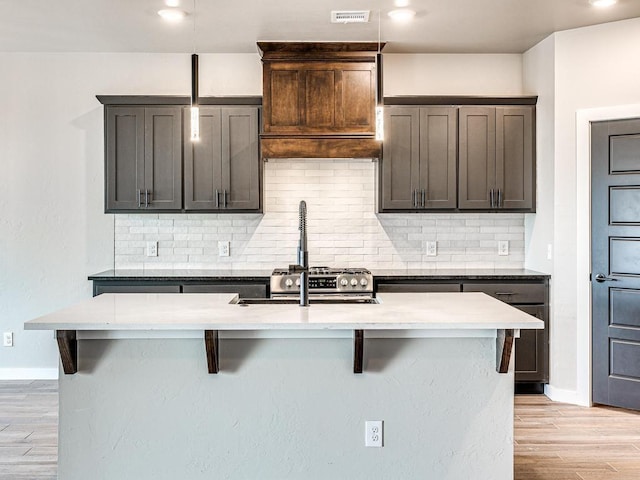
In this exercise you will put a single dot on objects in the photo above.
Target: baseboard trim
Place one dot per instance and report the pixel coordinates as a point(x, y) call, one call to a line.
point(563, 396)
point(28, 373)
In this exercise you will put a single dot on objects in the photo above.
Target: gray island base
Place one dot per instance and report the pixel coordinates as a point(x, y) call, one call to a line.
point(286, 403)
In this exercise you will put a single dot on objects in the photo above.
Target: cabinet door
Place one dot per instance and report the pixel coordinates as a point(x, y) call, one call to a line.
point(321, 98)
point(438, 142)
point(514, 157)
point(356, 97)
point(240, 159)
point(100, 288)
point(163, 158)
point(400, 158)
point(532, 349)
point(282, 87)
point(124, 154)
point(477, 130)
point(203, 162)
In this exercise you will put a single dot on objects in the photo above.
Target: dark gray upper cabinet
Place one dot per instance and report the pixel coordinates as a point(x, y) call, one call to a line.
point(143, 158)
point(496, 160)
point(419, 158)
point(222, 169)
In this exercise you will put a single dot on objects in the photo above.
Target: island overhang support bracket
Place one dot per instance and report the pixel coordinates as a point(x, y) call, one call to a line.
point(213, 353)
point(358, 350)
point(68, 347)
point(504, 346)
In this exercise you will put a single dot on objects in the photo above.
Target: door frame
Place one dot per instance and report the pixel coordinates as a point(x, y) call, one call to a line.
point(584, 117)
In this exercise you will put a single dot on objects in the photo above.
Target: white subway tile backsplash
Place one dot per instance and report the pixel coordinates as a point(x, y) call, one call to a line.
point(344, 228)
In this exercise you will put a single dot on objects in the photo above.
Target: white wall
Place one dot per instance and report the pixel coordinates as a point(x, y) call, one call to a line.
point(460, 74)
point(52, 229)
point(53, 232)
point(593, 67)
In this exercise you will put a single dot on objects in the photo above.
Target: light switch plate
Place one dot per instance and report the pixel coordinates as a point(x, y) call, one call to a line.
point(503, 247)
point(432, 249)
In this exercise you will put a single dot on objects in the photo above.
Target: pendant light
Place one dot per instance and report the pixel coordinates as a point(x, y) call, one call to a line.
point(195, 110)
point(379, 101)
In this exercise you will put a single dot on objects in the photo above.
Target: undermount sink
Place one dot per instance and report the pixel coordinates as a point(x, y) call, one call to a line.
point(245, 302)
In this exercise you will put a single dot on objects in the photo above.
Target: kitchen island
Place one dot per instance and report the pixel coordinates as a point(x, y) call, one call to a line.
point(285, 402)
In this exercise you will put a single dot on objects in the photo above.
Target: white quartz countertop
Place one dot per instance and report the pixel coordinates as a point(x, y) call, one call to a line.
point(211, 311)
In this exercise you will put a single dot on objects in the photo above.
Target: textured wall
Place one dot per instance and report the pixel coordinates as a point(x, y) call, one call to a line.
point(344, 229)
point(284, 409)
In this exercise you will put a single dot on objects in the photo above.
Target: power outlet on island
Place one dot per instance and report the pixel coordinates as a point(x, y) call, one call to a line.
point(223, 249)
point(373, 433)
point(432, 249)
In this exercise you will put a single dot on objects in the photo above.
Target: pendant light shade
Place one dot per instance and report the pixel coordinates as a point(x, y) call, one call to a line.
point(195, 110)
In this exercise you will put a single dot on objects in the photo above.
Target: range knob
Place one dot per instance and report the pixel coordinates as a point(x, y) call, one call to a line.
point(354, 282)
point(344, 282)
point(288, 282)
point(363, 282)
point(297, 282)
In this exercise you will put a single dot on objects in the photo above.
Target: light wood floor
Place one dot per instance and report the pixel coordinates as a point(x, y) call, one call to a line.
point(28, 430)
point(553, 441)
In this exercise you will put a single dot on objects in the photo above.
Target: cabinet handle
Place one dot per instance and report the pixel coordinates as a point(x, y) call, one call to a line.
point(423, 197)
point(499, 198)
point(217, 199)
point(139, 192)
point(491, 198)
point(146, 198)
point(415, 198)
point(504, 293)
point(224, 199)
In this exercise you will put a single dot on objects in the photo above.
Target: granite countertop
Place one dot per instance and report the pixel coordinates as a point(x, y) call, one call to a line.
point(459, 273)
point(186, 274)
point(178, 312)
point(204, 275)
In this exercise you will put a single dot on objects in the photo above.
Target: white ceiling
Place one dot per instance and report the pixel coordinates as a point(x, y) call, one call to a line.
point(234, 26)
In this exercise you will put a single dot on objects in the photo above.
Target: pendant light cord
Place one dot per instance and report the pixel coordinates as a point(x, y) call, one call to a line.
point(379, 14)
point(194, 26)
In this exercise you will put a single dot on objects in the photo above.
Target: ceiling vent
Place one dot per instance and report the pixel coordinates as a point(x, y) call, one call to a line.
point(350, 16)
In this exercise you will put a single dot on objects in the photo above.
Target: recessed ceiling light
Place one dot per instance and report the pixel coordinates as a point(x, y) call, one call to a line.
point(172, 3)
point(401, 3)
point(603, 3)
point(402, 14)
point(172, 14)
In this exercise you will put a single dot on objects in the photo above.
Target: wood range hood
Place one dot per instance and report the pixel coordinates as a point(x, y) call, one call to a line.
point(319, 99)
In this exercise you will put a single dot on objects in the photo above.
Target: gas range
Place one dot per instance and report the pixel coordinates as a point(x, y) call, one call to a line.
point(324, 281)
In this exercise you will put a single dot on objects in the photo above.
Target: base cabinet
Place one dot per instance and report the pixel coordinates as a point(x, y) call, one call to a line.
point(245, 289)
point(532, 348)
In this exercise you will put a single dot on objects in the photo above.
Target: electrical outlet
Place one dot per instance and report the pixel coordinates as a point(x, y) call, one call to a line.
point(432, 249)
point(373, 433)
point(7, 339)
point(503, 247)
point(152, 249)
point(223, 249)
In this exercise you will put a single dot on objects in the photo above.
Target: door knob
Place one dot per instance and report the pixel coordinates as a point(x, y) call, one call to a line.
point(601, 278)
